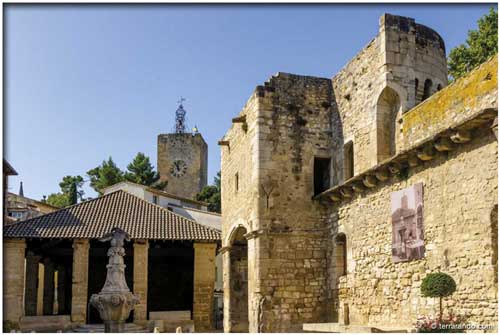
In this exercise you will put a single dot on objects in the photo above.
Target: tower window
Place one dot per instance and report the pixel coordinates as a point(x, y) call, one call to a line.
point(155, 199)
point(321, 174)
point(348, 160)
point(236, 182)
point(388, 109)
point(341, 254)
point(427, 89)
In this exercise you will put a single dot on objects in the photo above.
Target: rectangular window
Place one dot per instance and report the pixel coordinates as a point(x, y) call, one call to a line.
point(155, 199)
point(321, 174)
point(348, 160)
point(236, 182)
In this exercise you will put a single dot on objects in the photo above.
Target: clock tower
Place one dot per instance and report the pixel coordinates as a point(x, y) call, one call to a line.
point(182, 159)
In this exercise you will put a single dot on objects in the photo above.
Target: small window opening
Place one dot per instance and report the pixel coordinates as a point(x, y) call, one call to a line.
point(348, 160)
point(236, 182)
point(321, 174)
point(341, 254)
point(155, 199)
point(416, 89)
point(439, 87)
point(427, 89)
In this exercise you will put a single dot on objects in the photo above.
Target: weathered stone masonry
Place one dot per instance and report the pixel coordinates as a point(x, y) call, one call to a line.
point(288, 238)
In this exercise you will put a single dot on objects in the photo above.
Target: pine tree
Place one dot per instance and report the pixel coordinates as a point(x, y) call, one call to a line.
point(105, 175)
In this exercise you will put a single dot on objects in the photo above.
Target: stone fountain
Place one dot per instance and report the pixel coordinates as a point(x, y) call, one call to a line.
point(115, 301)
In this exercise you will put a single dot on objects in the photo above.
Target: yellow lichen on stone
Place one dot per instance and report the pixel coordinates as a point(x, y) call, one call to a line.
point(459, 100)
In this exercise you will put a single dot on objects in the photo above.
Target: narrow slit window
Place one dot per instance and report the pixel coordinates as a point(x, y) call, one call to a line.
point(427, 89)
point(236, 182)
point(321, 174)
point(348, 160)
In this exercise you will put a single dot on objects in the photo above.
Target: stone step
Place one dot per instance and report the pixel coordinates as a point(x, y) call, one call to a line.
point(99, 328)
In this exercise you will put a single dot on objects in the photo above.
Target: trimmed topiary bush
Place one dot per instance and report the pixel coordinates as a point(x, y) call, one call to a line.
point(438, 285)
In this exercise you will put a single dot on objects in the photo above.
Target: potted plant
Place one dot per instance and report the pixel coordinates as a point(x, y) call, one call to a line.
point(438, 285)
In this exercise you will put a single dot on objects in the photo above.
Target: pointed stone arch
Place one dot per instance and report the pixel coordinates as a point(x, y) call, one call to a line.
point(389, 108)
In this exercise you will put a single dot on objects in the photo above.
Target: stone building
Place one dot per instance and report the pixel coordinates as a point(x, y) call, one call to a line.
point(53, 263)
point(170, 264)
point(20, 207)
point(308, 168)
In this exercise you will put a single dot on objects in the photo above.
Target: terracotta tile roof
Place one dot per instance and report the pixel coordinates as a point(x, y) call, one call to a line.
point(94, 218)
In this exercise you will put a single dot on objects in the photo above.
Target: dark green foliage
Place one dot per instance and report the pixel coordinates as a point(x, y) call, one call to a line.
point(70, 193)
point(140, 171)
point(58, 200)
point(480, 45)
point(105, 175)
point(437, 285)
point(211, 194)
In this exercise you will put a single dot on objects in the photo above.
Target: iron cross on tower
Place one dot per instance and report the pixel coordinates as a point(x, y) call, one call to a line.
point(180, 118)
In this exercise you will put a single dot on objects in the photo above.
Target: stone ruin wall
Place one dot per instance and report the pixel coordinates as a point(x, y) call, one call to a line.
point(288, 122)
point(291, 119)
point(460, 220)
point(240, 209)
point(401, 52)
point(460, 195)
point(295, 126)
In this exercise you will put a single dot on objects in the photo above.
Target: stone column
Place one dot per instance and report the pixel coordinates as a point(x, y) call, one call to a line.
point(226, 275)
point(80, 281)
point(48, 287)
point(13, 281)
point(61, 289)
point(141, 249)
point(31, 291)
point(204, 281)
point(39, 303)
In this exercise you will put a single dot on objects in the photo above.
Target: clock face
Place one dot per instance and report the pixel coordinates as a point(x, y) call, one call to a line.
point(178, 168)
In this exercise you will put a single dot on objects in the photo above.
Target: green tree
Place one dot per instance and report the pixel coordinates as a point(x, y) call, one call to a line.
point(105, 175)
point(70, 193)
point(71, 186)
point(211, 195)
point(58, 200)
point(140, 171)
point(438, 285)
point(480, 45)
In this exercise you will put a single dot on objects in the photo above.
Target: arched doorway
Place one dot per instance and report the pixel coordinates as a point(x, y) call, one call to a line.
point(388, 108)
point(238, 311)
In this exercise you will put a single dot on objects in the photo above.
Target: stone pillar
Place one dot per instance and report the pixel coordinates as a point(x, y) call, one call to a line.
point(80, 281)
point(141, 249)
point(13, 281)
point(226, 277)
point(39, 303)
point(61, 289)
point(204, 281)
point(31, 291)
point(48, 287)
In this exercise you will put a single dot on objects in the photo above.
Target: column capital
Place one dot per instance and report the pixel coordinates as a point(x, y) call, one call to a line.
point(141, 243)
point(80, 241)
point(205, 245)
point(14, 242)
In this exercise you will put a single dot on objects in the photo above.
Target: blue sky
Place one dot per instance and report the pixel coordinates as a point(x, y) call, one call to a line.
point(83, 83)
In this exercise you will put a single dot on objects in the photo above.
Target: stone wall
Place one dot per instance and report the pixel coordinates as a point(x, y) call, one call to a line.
point(402, 53)
point(13, 282)
point(268, 186)
point(288, 124)
point(460, 194)
point(192, 150)
point(204, 280)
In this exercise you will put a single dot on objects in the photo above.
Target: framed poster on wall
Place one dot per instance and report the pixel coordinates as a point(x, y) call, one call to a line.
point(407, 224)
